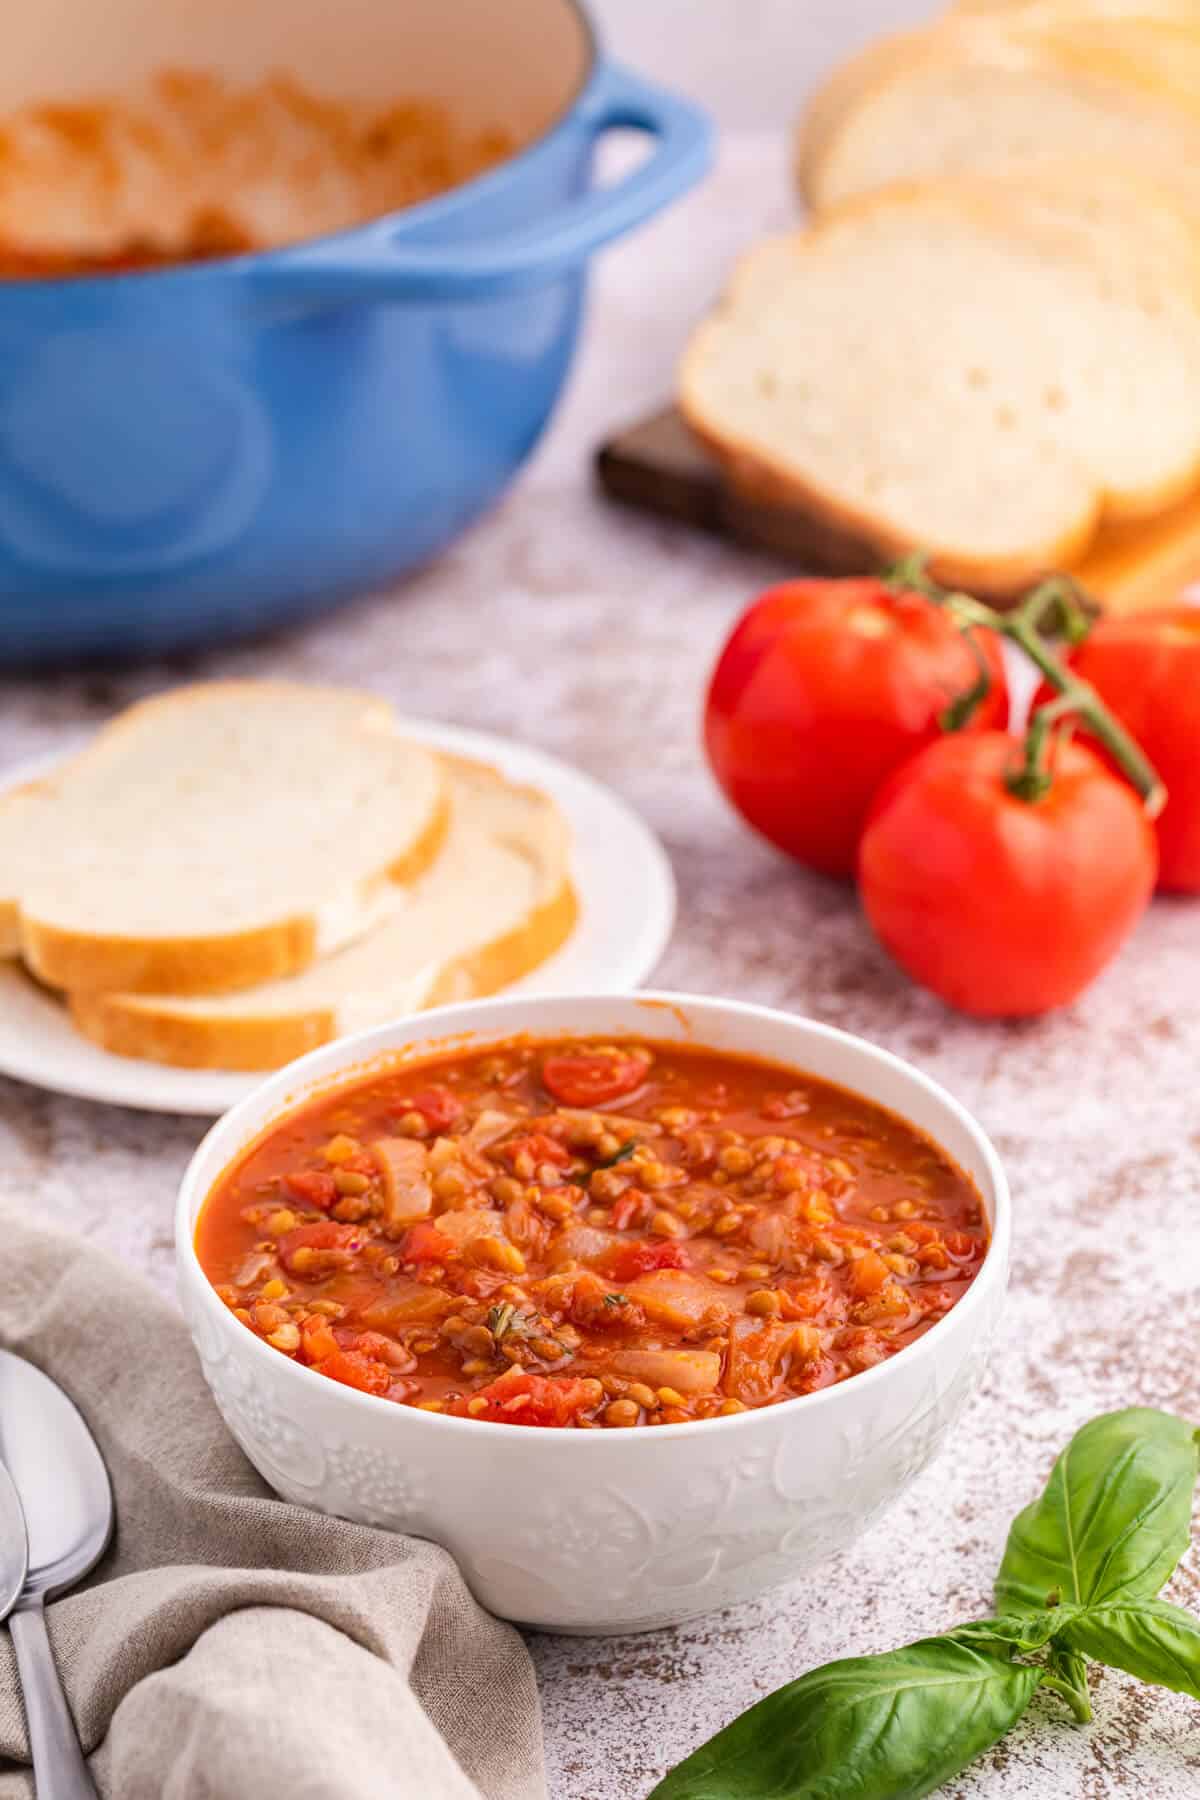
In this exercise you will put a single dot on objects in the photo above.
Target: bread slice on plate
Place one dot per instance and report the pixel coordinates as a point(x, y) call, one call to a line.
point(497, 902)
point(942, 366)
point(958, 99)
point(216, 836)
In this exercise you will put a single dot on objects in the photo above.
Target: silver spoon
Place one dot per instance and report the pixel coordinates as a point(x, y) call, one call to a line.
point(65, 1495)
point(14, 1545)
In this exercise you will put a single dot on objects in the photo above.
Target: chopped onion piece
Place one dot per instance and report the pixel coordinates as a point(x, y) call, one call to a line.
point(404, 1165)
point(688, 1371)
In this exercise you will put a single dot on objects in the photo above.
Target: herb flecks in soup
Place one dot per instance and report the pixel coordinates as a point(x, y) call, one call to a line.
point(584, 1234)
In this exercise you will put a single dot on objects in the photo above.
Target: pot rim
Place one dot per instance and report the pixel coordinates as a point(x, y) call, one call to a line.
point(993, 1271)
point(439, 206)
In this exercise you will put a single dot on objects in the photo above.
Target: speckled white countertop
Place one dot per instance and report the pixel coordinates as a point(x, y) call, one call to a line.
point(589, 633)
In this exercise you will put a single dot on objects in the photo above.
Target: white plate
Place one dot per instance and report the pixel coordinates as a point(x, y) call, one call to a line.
point(627, 908)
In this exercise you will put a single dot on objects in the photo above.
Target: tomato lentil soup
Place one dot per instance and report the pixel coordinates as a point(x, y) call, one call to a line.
point(189, 167)
point(584, 1234)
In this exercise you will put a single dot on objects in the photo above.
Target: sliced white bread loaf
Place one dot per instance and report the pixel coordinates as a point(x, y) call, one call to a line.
point(497, 902)
point(949, 102)
point(1122, 45)
point(216, 836)
point(946, 367)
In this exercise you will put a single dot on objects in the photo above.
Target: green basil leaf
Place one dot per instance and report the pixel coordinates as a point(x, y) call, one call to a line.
point(1151, 1639)
point(1114, 1519)
point(889, 1727)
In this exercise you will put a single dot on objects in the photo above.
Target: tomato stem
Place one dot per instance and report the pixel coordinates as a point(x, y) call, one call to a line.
point(959, 713)
point(1056, 605)
point(1034, 776)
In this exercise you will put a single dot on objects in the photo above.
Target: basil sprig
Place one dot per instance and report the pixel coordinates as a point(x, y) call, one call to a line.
point(1114, 1520)
point(1079, 1580)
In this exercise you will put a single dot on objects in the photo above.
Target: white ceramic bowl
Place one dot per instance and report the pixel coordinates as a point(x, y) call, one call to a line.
point(606, 1531)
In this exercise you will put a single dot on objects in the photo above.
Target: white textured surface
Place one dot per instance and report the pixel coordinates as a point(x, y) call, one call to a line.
point(590, 634)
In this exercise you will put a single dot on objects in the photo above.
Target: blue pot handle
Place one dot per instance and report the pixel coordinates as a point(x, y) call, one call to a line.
point(373, 265)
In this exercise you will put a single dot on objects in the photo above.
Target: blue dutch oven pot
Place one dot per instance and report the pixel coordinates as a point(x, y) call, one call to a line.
point(192, 454)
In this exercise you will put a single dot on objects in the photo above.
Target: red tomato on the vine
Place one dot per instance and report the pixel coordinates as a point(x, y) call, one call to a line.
point(1005, 907)
point(823, 689)
point(1147, 671)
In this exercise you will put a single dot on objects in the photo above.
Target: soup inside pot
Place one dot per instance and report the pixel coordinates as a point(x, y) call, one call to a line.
point(196, 167)
point(159, 132)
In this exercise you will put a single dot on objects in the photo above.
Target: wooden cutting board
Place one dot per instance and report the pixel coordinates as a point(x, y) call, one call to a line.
point(660, 467)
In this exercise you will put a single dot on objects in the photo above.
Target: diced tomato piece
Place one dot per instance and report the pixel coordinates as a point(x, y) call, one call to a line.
point(424, 1243)
point(356, 1371)
point(516, 1398)
point(315, 1250)
point(591, 1077)
point(630, 1260)
point(316, 1339)
point(867, 1275)
point(805, 1297)
point(437, 1105)
point(628, 1209)
point(961, 1244)
point(759, 1357)
point(540, 1147)
point(314, 1187)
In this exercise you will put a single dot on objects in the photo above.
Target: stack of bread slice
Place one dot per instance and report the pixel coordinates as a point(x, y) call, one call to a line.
point(236, 873)
point(986, 344)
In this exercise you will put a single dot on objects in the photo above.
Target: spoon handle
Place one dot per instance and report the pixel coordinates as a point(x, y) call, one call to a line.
point(59, 1771)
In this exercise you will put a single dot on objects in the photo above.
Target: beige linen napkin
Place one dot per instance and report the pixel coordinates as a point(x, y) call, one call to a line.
point(231, 1645)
